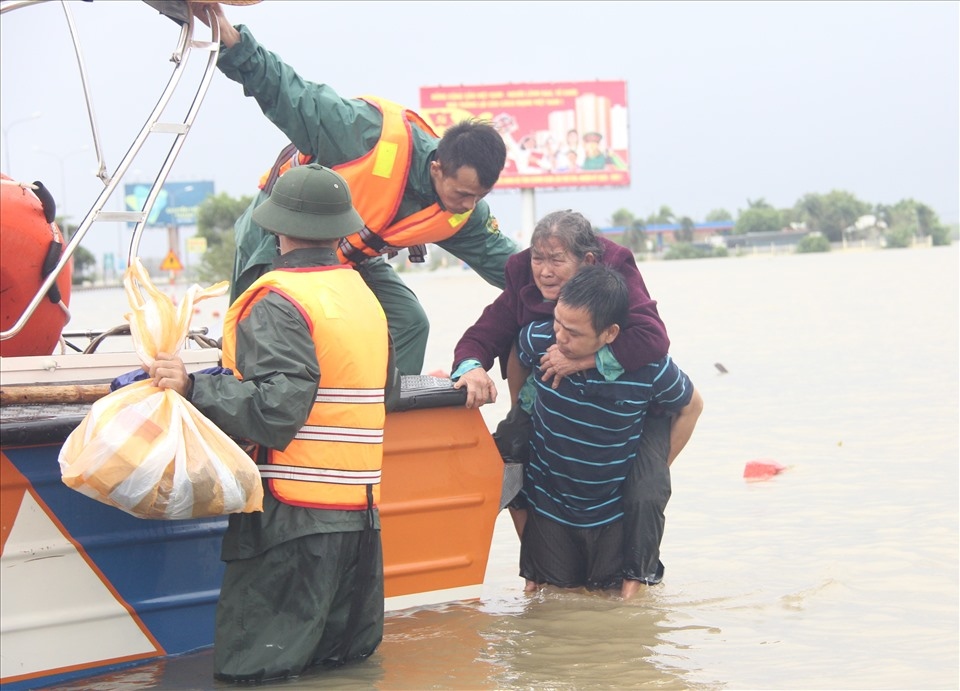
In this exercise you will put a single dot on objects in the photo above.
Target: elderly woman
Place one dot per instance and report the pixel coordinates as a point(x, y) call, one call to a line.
point(560, 244)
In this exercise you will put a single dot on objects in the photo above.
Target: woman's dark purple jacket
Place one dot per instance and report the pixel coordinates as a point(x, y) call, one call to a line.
point(643, 339)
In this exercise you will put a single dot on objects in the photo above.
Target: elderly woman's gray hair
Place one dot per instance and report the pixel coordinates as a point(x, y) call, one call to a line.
point(572, 230)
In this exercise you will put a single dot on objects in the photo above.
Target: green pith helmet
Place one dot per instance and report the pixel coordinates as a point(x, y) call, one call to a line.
point(311, 203)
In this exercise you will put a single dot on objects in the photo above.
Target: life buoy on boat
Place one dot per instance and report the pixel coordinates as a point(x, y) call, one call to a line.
point(30, 247)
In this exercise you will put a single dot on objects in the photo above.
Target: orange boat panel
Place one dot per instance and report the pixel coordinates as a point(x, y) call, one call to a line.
point(440, 496)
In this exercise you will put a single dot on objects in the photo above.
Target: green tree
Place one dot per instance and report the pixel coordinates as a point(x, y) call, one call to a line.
point(940, 235)
point(899, 236)
point(636, 237)
point(633, 229)
point(622, 217)
point(717, 215)
point(664, 215)
point(813, 243)
point(83, 260)
point(882, 212)
point(912, 218)
point(215, 220)
point(84, 264)
point(830, 213)
point(687, 226)
point(758, 219)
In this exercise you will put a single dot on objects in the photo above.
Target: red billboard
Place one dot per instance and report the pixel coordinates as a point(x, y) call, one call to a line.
point(558, 134)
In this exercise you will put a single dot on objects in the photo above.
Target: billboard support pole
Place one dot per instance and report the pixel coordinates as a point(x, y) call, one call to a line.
point(528, 215)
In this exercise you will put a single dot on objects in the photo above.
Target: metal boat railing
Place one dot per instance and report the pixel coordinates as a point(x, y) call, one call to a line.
point(181, 12)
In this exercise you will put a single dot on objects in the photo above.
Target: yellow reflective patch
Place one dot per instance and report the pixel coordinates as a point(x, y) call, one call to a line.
point(457, 219)
point(386, 157)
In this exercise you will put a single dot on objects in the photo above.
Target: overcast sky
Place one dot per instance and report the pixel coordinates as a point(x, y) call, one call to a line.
point(728, 101)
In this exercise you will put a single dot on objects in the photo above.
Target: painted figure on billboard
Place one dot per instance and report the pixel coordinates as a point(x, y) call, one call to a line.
point(573, 147)
point(594, 158)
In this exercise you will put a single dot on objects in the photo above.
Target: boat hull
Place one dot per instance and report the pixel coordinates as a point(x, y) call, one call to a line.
point(88, 589)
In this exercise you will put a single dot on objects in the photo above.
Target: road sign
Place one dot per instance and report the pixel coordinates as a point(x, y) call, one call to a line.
point(171, 262)
point(197, 244)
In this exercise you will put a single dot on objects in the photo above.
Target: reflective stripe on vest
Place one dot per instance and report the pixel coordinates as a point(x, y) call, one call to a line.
point(377, 182)
point(295, 472)
point(348, 396)
point(357, 435)
point(339, 450)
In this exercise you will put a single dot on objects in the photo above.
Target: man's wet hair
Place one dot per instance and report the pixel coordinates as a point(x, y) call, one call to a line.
point(572, 230)
point(601, 291)
point(474, 143)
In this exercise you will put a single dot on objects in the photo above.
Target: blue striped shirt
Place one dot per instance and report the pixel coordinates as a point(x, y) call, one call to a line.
point(587, 432)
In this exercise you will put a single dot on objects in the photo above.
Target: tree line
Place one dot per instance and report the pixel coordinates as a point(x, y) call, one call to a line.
point(831, 215)
point(834, 215)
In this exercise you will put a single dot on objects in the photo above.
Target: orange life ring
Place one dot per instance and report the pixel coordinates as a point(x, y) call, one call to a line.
point(29, 245)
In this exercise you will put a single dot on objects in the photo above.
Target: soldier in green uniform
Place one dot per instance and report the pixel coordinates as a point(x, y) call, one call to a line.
point(303, 584)
point(454, 173)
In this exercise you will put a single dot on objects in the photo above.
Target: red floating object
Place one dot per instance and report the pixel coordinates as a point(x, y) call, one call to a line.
point(27, 242)
point(762, 469)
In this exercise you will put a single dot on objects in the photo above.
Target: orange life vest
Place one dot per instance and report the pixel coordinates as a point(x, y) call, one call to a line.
point(338, 452)
point(377, 181)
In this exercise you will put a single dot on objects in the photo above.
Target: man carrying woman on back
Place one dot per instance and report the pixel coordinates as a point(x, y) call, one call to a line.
point(561, 243)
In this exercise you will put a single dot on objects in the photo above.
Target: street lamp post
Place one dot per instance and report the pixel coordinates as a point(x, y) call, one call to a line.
point(6, 141)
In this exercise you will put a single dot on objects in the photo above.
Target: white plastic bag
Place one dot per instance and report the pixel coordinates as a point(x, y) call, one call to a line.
point(147, 450)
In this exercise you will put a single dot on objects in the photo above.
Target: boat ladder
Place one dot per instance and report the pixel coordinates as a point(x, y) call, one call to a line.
point(181, 12)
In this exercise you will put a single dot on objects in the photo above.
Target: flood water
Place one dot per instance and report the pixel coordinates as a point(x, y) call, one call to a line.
point(841, 572)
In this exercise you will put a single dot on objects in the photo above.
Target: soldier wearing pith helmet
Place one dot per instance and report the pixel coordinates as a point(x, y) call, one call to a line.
point(310, 203)
point(308, 344)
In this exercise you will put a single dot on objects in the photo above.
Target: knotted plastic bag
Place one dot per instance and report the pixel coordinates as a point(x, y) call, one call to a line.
point(147, 450)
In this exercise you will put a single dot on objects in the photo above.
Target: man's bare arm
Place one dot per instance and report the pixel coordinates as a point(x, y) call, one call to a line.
point(681, 429)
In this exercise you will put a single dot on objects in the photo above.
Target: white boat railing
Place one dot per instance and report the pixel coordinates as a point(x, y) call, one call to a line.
point(181, 12)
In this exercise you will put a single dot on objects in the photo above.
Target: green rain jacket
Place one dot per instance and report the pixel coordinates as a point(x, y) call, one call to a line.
point(335, 130)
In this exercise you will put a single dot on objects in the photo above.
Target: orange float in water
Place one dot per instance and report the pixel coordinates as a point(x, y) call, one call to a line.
point(29, 246)
point(762, 469)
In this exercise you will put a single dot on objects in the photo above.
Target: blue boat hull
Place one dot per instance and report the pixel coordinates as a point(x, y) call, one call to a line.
point(165, 574)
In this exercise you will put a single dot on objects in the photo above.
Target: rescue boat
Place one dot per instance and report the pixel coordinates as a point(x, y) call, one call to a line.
point(88, 589)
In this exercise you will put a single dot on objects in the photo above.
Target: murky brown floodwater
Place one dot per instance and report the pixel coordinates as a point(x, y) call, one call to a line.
point(842, 572)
